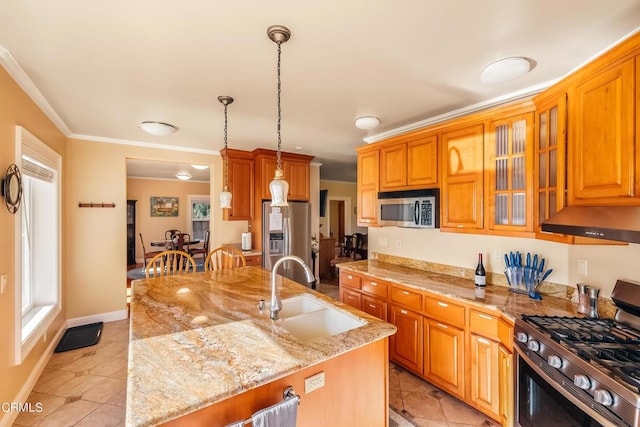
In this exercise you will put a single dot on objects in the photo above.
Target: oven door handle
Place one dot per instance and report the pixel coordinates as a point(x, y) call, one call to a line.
point(596, 415)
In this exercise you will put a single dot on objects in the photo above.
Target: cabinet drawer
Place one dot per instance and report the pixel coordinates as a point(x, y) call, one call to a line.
point(374, 287)
point(349, 279)
point(253, 259)
point(484, 324)
point(374, 307)
point(444, 311)
point(406, 297)
point(351, 298)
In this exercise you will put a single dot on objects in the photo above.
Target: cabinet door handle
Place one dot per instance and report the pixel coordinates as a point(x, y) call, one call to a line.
point(483, 341)
point(349, 276)
point(443, 304)
point(404, 312)
point(374, 284)
point(372, 305)
point(485, 316)
point(406, 293)
point(443, 326)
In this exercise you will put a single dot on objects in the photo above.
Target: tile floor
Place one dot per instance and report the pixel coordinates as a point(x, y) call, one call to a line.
point(87, 387)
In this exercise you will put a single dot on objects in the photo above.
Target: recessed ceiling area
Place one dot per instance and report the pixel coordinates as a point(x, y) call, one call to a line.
point(100, 69)
point(155, 169)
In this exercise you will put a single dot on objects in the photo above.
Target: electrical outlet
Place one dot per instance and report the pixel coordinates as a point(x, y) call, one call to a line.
point(382, 241)
point(496, 257)
point(582, 267)
point(314, 382)
point(3, 283)
point(398, 244)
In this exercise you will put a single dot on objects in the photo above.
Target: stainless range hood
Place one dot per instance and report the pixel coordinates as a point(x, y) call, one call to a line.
point(620, 223)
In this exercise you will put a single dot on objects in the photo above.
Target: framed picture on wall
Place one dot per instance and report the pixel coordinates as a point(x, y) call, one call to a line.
point(164, 206)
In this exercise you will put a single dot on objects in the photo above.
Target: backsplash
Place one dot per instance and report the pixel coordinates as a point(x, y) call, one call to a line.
point(606, 308)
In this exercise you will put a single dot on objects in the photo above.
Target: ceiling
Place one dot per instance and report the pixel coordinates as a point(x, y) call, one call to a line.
point(99, 68)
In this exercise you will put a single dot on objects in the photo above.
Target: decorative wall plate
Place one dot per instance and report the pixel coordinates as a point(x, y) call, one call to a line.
point(12, 188)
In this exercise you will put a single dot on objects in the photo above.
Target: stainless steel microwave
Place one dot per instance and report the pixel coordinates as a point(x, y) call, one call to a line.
point(412, 208)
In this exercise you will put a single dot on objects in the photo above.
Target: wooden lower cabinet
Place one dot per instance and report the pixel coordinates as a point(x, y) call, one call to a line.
point(350, 297)
point(359, 377)
point(444, 356)
point(374, 306)
point(505, 381)
point(484, 381)
point(406, 344)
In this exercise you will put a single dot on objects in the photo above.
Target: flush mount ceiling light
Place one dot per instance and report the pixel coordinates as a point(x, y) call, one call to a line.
point(367, 122)
point(225, 194)
point(200, 167)
point(505, 69)
point(183, 176)
point(279, 187)
point(157, 128)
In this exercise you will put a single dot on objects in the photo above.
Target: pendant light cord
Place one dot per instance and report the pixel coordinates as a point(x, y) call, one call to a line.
point(226, 157)
point(279, 164)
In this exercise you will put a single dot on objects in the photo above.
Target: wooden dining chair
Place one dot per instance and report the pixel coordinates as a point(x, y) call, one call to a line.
point(146, 255)
point(344, 255)
point(180, 240)
point(360, 246)
point(170, 263)
point(204, 250)
point(170, 234)
point(224, 257)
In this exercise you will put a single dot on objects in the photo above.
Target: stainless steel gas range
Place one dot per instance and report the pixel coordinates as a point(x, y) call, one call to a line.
point(580, 371)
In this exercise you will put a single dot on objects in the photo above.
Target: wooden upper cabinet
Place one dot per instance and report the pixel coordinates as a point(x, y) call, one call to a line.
point(409, 164)
point(463, 168)
point(296, 170)
point(550, 161)
point(602, 156)
point(422, 161)
point(509, 173)
point(393, 166)
point(241, 184)
point(367, 187)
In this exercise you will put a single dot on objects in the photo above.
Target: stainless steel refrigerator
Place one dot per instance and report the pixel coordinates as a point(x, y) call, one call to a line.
point(287, 231)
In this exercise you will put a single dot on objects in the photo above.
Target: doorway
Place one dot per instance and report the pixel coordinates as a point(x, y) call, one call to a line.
point(338, 219)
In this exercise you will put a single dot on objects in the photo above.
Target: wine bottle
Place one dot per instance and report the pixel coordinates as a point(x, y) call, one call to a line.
point(481, 274)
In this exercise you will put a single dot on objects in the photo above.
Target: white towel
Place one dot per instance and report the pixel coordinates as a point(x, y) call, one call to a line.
point(236, 424)
point(282, 414)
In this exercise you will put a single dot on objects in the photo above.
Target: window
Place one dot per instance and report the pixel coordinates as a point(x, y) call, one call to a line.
point(200, 214)
point(37, 241)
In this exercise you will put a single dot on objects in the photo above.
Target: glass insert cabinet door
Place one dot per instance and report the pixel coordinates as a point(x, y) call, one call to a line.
point(511, 164)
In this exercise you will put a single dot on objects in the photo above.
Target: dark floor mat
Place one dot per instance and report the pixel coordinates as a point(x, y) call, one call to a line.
point(80, 336)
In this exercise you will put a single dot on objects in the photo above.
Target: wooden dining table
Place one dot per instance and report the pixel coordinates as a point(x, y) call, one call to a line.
point(169, 244)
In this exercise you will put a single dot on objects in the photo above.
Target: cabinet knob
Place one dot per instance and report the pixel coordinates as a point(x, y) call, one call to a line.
point(443, 304)
point(405, 293)
point(374, 284)
point(485, 316)
point(443, 326)
point(349, 276)
point(372, 305)
point(404, 312)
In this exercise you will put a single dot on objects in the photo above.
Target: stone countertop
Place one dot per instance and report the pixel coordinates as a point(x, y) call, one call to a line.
point(198, 339)
point(494, 297)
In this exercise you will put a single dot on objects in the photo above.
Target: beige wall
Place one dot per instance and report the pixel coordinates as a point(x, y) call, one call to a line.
point(605, 264)
point(153, 228)
point(17, 109)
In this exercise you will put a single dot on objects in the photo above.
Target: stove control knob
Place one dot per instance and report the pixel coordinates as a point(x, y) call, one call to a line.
point(582, 381)
point(555, 361)
point(603, 397)
point(533, 345)
point(522, 337)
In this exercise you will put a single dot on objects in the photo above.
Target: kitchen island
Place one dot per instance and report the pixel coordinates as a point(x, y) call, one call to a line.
point(201, 352)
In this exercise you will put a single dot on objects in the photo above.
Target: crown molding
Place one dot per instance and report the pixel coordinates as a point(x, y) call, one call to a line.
point(90, 138)
point(514, 96)
point(17, 73)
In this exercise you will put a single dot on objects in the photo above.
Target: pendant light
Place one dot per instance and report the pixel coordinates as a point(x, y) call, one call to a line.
point(225, 195)
point(279, 187)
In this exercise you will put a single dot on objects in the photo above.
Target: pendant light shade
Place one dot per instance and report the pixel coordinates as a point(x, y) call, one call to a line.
point(279, 187)
point(225, 194)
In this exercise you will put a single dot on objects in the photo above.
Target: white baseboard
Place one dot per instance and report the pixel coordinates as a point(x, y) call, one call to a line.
point(9, 418)
point(102, 317)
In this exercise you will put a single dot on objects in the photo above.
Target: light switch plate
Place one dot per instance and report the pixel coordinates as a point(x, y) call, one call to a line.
point(314, 382)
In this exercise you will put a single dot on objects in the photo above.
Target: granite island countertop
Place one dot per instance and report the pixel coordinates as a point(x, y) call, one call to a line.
point(494, 297)
point(198, 339)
